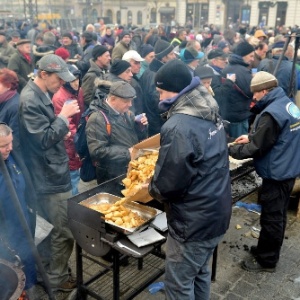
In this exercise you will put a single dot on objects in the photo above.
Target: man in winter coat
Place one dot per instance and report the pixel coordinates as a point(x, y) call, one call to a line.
point(273, 144)
point(21, 62)
point(100, 63)
point(237, 104)
point(163, 53)
point(6, 50)
point(112, 151)
point(42, 135)
point(198, 197)
point(122, 46)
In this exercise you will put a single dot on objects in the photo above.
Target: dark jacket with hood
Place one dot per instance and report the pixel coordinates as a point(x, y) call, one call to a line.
point(193, 140)
point(111, 151)
point(151, 97)
point(237, 107)
point(84, 63)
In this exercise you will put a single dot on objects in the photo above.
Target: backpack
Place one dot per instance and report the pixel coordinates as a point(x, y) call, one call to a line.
point(88, 168)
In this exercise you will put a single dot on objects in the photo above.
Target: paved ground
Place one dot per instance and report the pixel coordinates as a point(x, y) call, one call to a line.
point(232, 283)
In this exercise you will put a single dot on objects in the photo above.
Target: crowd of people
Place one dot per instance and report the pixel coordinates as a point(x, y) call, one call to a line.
point(199, 90)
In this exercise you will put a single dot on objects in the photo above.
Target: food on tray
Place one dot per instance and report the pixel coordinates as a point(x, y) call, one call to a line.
point(139, 172)
point(118, 214)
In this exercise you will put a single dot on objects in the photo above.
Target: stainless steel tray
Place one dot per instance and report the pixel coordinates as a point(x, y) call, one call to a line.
point(146, 212)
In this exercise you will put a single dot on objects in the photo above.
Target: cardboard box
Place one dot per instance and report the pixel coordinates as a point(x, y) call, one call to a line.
point(152, 143)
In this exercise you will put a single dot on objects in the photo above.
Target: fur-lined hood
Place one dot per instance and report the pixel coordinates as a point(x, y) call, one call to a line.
point(102, 83)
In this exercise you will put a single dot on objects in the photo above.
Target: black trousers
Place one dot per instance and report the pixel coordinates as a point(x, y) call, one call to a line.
point(274, 199)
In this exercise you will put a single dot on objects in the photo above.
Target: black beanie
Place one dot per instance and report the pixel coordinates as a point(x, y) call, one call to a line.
point(98, 50)
point(119, 66)
point(174, 76)
point(68, 35)
point(243, 49)
point(146, 49)
point(162, 48)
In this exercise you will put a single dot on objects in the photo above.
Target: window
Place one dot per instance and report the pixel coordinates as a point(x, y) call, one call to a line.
point(139, 17)
point(129, 17)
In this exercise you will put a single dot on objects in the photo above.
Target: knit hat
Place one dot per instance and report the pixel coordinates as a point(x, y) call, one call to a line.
point(190, 54)
point(123, 33)
point(243, 49)
point(119, 66)
point(98, 50)
point(15, 33)
point(162, 48)
point(263, 81)
point(146, 49)
point(122, 89)
point(204, 72)
point(62, 52)
point(174, 76)
point(259, 33)
point(216, 53)
point(68, 35)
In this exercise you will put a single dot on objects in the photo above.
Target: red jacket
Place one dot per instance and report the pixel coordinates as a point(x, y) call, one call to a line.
point(59, 98)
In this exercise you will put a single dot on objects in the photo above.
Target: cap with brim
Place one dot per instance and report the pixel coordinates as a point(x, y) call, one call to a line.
point(55, 64)
point(132, 54)
point(122, 90)
point(215, 53)
point(22, 42)
point(204, 72)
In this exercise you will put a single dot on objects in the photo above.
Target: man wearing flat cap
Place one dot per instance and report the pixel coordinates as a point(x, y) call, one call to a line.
point(164, 52)
point(21, 62)
point(272, 143)
point(112, 151)
point(99, 65)
point(192, 179)
point(42, 135)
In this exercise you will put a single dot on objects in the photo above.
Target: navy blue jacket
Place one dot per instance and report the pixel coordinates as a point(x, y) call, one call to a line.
point(192, 172)
point(283, 160)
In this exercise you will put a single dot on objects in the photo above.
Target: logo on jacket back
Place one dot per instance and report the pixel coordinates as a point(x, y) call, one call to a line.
point(293, 110)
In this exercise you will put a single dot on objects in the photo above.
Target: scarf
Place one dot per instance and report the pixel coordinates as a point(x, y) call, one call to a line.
point(27, 57)
point(7, 95)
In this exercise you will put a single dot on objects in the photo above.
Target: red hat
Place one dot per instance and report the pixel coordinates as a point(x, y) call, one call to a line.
point(63, 53)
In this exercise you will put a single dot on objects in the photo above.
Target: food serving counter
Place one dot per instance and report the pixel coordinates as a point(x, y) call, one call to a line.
point(97, 237)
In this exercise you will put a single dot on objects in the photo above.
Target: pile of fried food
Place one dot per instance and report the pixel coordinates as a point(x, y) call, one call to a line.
point(140, 172)
point(118, 214)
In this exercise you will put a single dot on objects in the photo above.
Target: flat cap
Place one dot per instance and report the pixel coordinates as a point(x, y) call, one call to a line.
point(122, 89)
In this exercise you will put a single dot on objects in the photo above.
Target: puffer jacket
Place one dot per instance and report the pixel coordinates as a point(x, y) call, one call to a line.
point(193, 140)
point(42, 141)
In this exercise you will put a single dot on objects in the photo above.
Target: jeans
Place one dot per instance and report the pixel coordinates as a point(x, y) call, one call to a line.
point(56, 249)
point(274, 198)
point(75, 177)
point(187, 272)
point(237, 129)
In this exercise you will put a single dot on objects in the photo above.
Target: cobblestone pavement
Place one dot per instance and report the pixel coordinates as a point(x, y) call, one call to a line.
point(232, 283)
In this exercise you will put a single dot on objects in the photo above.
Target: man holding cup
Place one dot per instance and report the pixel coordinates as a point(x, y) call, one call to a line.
point(42, 136)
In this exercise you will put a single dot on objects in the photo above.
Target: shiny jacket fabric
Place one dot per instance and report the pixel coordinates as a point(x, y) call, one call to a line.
point(42, 142)
point(59, 99)
point(238, 103)
point(192, 172)
point(110, 152)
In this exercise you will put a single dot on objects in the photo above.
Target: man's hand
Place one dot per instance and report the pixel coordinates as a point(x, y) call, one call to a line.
point(70, 109)
point(243, 139)
point(144, 120)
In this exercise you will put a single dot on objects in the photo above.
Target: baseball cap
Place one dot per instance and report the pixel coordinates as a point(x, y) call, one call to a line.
point(122, 89)
point(55, 64)
point(132, 54)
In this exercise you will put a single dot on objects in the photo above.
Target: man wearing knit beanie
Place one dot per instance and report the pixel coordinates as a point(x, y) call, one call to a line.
point(73, 48)
point(122, 46)
point(192, 140)
point(100, 63)
point(120, 70)
point(272, 143)
point(163, 53)
point(238, 97)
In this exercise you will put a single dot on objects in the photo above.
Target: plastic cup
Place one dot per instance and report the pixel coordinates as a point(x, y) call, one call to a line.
point(230, 74)
point(254, 71)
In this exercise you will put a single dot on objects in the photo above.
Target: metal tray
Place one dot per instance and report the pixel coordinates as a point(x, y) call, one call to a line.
point(146, 212)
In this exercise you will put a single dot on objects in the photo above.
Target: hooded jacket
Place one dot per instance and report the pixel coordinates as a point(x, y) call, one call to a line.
point(193, 140)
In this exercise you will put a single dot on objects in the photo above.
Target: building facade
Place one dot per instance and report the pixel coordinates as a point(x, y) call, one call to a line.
point(77, 13)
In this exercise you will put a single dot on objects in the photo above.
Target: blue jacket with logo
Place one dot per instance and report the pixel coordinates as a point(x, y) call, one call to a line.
point(283, 160)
